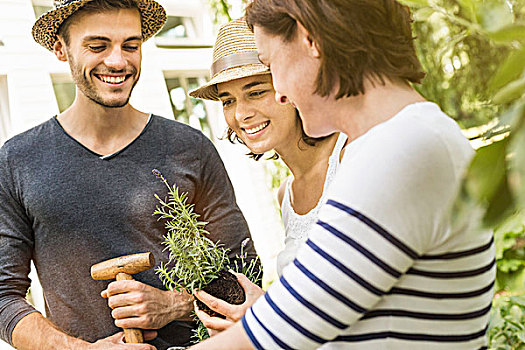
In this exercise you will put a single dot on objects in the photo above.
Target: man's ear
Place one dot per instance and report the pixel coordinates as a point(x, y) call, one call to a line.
point(307, 39)
point(59, 49)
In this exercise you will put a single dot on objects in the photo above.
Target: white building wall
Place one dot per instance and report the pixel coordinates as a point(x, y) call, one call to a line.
point(27, 98)
point(5, 121)
point(21, 61)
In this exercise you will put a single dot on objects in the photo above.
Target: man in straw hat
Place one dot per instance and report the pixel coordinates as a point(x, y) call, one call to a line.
point(78, 189)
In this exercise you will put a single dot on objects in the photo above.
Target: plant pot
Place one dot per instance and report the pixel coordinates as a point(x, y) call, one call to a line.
point(225, 287)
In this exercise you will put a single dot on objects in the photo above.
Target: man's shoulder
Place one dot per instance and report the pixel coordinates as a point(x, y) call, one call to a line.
point(31, 138)
point(172, 131)
point(172, 124)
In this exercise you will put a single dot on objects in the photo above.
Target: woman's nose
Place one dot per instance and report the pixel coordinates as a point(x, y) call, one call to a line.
point(243, 111)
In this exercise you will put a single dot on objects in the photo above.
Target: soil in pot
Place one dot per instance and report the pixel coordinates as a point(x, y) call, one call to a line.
point(225, 287)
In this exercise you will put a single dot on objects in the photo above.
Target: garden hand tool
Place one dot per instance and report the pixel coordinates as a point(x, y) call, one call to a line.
point(122, 268)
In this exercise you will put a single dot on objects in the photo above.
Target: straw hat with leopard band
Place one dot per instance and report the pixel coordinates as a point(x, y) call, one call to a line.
point(234, 57)
point(46, 26)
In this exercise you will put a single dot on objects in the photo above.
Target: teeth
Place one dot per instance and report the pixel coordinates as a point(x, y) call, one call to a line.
point(111, 79)
point(257, 128)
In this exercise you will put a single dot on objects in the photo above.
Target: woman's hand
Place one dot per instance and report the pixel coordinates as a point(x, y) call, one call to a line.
point(232, 312)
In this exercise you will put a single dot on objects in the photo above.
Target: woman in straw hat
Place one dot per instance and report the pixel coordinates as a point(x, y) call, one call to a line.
point(244, 87)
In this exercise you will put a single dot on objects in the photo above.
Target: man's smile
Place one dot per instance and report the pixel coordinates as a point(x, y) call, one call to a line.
point(112, 79)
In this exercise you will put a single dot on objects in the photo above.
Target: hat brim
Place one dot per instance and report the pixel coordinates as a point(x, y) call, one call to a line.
point(153, 17)
point(208, 91)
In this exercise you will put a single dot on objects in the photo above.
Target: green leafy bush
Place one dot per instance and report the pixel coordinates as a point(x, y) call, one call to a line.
point(474, 54)
point(507, 322)
point(510, 254)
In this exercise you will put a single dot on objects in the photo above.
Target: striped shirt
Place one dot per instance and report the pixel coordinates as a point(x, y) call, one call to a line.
point(384, 268)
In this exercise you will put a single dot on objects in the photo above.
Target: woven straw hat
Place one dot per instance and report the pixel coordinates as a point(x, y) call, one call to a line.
point(234, 57)
point(46, 26)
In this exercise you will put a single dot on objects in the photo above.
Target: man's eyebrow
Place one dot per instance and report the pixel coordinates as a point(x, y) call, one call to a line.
point(104, 38)
point(134, 38)
point(95, 38)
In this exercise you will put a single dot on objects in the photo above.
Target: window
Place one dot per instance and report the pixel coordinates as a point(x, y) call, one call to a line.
point(180, 32)
point(175, 27)
point(64, 88)
point(185, 108)
point(41, 9)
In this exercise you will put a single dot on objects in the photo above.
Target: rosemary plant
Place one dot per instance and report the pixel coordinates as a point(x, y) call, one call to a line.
point(196, 259)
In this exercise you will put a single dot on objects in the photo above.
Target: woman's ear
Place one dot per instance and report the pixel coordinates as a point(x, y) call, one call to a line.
point(307, 39)
point(59, 49)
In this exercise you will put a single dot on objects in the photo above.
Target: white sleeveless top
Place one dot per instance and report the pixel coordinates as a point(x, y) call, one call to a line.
point(297, 226)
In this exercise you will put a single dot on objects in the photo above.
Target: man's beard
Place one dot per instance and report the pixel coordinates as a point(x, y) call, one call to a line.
point(90, 91)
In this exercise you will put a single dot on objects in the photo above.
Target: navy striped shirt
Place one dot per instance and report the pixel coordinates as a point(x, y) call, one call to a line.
point(384, 268)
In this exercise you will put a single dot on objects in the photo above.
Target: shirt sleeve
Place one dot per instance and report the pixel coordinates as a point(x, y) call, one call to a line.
point(382, 212)
point(16, 245)
point(216, 201)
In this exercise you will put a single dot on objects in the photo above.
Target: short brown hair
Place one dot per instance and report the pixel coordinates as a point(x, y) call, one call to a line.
point(357, 39)
point(94, 6)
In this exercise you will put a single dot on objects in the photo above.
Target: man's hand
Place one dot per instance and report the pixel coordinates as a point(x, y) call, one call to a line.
point(116, 342)
point(138, 305)
point(232, 312)
point(36, 332)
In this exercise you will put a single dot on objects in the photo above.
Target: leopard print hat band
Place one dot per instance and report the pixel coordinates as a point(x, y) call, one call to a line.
point(46, 26)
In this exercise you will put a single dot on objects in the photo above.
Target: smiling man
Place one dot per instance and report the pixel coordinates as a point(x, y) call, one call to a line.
point(78, 189)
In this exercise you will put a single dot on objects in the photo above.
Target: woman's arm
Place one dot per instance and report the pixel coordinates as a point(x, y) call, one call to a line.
point(234, 338)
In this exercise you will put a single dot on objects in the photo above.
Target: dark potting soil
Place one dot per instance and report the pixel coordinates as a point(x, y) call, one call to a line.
point(225, 287)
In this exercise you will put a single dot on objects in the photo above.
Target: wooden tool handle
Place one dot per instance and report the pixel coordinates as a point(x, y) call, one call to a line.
point(131, 264)
point(132, 335)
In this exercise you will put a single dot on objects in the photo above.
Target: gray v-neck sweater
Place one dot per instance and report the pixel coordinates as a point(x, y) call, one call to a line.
point(66, 208)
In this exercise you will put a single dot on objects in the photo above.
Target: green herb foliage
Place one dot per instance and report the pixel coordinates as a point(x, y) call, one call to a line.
point(195, 258)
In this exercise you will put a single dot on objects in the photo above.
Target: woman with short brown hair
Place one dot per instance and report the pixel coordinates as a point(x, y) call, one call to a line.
point(384, 267)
